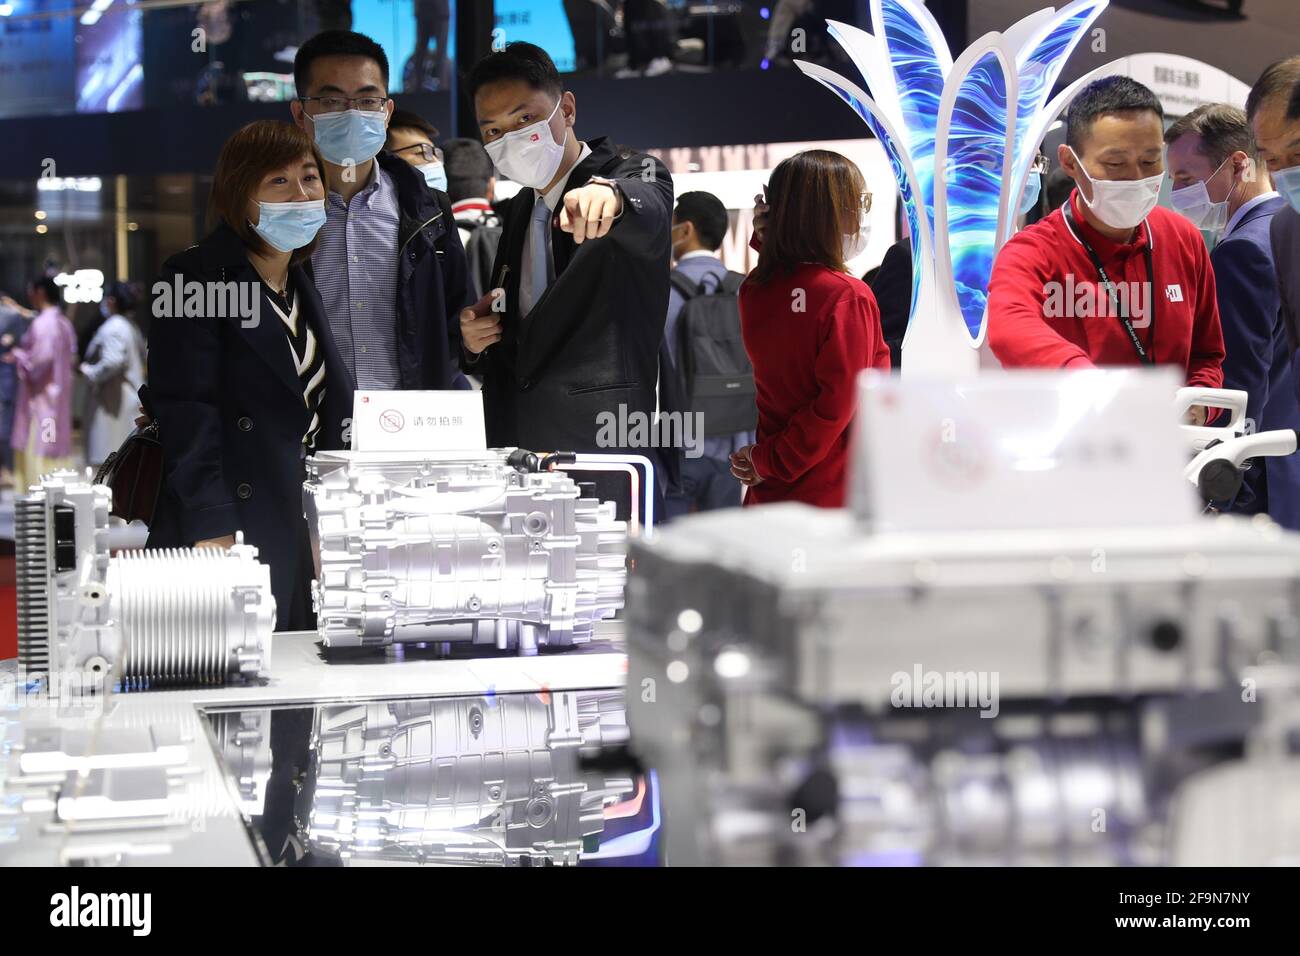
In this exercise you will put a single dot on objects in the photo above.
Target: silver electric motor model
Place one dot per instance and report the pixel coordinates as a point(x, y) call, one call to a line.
point(474, 780)
point(945, 681)
point(490, 548)
point(88, 621)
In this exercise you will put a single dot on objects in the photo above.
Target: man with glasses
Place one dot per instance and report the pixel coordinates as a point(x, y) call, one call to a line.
point(1222, 188)
point(412, 137)
point(389, 263)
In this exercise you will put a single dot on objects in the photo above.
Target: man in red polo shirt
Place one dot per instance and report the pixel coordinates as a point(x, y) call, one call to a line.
point(1109, 278)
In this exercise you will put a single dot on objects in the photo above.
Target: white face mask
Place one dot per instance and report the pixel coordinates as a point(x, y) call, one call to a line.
point(856, 243)
point(1194, 202)
point(1121, 203)
point(529, 156)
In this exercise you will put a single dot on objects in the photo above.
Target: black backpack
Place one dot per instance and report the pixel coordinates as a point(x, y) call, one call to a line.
point(481, 251)
point(713, 370)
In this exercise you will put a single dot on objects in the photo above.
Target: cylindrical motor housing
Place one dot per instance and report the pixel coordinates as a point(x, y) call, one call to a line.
point(191, 615)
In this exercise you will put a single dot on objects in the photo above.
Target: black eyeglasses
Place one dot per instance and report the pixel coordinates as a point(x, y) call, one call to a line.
point(427, 153)
point(337, 104)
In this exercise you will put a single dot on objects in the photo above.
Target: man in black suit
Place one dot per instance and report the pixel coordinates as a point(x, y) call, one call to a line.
point(572, 326)
point(892, 287)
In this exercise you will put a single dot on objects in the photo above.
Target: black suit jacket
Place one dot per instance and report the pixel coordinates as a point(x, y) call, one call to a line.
point(591, 343)
point(892, 288)
point(231, 416)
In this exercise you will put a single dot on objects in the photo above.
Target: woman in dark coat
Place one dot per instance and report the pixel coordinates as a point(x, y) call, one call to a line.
point(244, 379)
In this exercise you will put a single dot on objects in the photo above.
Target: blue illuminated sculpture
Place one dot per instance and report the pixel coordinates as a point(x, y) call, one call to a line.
point(979, 119)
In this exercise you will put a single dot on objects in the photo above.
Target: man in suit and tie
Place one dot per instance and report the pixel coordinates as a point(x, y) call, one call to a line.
point(572, 326)
point(1220, 185)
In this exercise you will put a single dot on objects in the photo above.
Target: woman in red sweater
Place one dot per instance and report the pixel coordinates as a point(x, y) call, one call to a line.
point(809, 328)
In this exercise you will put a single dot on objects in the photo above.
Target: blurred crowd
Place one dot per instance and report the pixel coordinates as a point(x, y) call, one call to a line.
point(42, 371)
point(380, 256)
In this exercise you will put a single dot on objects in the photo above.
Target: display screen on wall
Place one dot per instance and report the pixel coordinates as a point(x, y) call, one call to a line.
point(60, 56)
point(400, 27)
point(109, 75)
point(37, 57)
point(543, 22)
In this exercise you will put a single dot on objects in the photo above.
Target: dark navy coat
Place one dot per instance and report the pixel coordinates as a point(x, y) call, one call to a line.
point(231, 416)
point(1258, 357)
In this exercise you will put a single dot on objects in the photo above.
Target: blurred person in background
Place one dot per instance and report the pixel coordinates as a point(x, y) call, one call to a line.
point(432, 22)
point(892, 287)
point(649, 33)
point(242, 399)
point(13, 326)
point(1057, 188)
point(388, 264)
point(809, 328)
point(1221, 188)
point(698, 228)
point(1034, 198)
point(114, 371)
point(472, 189)
point(44, 360)
point(414, 139)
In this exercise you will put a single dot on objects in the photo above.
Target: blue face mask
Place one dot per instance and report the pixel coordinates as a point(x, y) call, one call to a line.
point(105, 311)
point(290, 225)
point(352, 136)
point(1033, 186)
point(435, 174)
point(1287, 182)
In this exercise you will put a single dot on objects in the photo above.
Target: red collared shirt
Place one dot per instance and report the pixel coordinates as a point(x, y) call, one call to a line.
point(1045, 296)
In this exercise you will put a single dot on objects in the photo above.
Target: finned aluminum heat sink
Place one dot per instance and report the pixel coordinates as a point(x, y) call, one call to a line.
point(32, 569)
point(191, 615)
point(141, 619)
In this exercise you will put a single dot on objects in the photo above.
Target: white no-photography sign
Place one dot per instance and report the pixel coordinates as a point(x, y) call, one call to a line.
point(450, 420)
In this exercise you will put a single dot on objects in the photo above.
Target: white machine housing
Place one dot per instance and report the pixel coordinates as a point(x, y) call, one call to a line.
point(999, 685)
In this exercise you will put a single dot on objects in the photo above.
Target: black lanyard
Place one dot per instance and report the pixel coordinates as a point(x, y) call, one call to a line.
point(1145, 356)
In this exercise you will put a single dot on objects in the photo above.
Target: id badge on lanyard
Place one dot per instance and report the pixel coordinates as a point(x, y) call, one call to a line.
point(1145, 355)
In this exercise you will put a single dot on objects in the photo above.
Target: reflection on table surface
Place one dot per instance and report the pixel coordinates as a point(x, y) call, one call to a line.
point(497, 780)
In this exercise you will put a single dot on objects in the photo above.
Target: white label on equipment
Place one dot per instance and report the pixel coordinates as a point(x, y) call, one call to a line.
point(450, 420)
